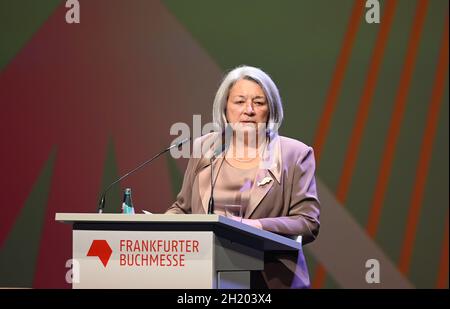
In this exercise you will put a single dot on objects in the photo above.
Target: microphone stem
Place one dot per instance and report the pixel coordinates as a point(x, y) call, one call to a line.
point(101, 205)
point(211, 199)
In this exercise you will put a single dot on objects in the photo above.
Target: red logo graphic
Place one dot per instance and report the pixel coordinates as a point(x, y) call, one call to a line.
point(101, 249)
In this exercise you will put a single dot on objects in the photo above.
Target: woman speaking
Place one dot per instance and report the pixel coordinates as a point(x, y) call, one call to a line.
point(269, 176)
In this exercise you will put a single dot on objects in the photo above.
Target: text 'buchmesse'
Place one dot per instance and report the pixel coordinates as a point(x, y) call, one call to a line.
point(160, 253)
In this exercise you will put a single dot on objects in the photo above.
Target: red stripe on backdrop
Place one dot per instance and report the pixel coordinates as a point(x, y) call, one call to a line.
point(443, 265)
point(396, 120)
point(331, 99)
point(361, 118)
point(425, 155)
point(365, 102)
point(338, 77)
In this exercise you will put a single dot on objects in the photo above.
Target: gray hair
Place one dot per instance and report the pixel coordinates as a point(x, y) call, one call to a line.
point(263, 80)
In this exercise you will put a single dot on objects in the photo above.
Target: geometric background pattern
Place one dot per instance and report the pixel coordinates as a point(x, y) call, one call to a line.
point(84, 103)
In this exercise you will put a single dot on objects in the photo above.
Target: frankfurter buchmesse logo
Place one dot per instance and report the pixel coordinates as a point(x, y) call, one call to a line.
point(101, 249)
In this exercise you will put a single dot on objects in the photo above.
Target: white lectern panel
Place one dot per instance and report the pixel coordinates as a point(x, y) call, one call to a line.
point(143, 259)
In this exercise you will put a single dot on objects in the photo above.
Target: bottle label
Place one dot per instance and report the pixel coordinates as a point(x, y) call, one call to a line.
point(127, 209)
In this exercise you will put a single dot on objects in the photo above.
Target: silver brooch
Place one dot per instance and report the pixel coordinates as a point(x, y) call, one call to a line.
point(264, 181)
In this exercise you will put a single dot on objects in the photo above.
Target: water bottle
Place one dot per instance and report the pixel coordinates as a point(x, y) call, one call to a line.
point(127, 205)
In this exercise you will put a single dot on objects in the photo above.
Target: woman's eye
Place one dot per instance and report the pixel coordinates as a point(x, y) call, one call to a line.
point(259, 103)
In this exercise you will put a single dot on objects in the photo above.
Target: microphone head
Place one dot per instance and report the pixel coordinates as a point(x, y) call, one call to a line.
point(101, 204)
point(183, 141)
point(179, 144)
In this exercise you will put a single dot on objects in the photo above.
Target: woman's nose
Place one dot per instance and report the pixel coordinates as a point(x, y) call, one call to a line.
point(249, 108)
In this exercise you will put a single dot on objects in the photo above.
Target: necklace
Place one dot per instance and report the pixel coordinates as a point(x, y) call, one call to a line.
point(245, 160)
point(257, 157)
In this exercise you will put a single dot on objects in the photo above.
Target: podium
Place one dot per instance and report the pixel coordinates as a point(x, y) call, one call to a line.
point(167, 251)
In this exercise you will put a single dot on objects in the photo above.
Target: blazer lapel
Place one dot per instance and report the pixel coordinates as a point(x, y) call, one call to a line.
point(203, 185)
point(269, 172)
point(204, 181)
point(203, 169)
point(263, 182)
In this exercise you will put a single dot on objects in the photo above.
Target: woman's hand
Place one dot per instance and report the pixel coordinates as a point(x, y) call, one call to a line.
point(253, 222)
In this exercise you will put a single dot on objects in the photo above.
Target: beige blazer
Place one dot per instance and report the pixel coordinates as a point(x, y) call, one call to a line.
point(287, 204)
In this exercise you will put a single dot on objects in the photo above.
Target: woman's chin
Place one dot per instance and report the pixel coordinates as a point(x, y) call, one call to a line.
point(245, 126)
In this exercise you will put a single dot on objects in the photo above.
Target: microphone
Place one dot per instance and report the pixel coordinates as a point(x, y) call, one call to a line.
point(211, 160)
point(211, 198)
point(101, 203)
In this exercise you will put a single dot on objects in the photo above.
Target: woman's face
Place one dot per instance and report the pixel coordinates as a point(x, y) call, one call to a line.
point(247, 104)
